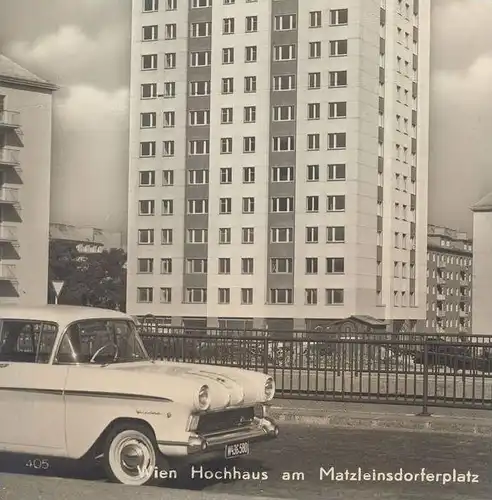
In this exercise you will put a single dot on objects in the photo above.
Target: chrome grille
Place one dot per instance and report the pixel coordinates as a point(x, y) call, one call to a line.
point(236, 418)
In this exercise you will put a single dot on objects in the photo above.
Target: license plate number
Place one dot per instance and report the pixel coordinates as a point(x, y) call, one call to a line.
point(236, 450)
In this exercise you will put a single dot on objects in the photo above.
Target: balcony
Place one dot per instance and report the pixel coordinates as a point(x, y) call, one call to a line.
point(9, 119)
point(8, 234)
point(7, 272)
point(464, 298)
point(9, 156)
point(441, 281)
point(464, 282)
point(441, 313)
point(9, 196)
point(441, 297)
point(463, 314)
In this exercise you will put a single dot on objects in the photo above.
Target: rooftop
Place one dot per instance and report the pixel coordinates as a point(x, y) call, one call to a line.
point(484, 205)
point(11, 72)
point(58, 314)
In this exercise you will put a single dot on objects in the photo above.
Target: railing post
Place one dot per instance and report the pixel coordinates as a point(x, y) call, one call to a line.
point(425, 395)
point(265, 355)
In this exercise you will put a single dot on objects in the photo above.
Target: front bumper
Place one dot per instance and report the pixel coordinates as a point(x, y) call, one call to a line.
point(204, 445)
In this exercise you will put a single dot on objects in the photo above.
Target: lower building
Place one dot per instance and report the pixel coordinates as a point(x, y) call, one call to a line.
point(449, 282)
point(25, 166)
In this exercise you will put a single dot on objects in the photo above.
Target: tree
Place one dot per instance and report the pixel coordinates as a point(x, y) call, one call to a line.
point(97, 279)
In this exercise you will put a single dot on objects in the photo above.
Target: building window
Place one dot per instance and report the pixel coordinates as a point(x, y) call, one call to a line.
point(169, 90)
point(284, 113)
point(285, 22)
point(314, 81)
point(201, 30)
point(166, 295)
point(166, 237)
point(147, 149)
point(196, 207)
point(334, 296)
point(169, 119)
point(147, 178)
point(199, 117)
point(311, 265)
point(228, 26)
point(283, 143)
point(145, 295)
point(145, 266)
point(226, 175)
point(312, 234)
point(311, 296)
point(167, 207)
point(171, 4)
point(170, 60)
point(281, 266)
point(168, 148)
point(201, 88)
point(312, 204)
point(145, 236)
point(225, 145)
point(281, 296)
point(284, 82)
point(197, 236)
point(224, 295)
point(196, 295)
point(246, 295)
point(338, 48)
point(251, 24)
point(228, 55)
point(248, 235)
point(247, 265)
point(150, 33)
point(248, 175)
point(338, 17)
point(149, 62)
point(251, 54)
point(336, 172)
point(199, 59)
point(199, 4)
point(312, 173)
point(250, 84)
point(337, 110)
point(148, 91)
point(338, 78)
point(313, 142)
point(249, 144)
point(170, 32)
point(337, 140)
point(224, 266)
point(248, 205)
point(284, 52)
point(166, 266)
point(313, 111)
point(281, 234)
point(226, 116)
point(335, 234)
point(335, 203)
point(315, 19)
point(199, 147)
point(150, 5)
point(282, 204)
point(196, 266)
point(146, 207)
point(249, 115)
point(314, 50)
point(197, 177)
point(225, 236)
point(335, 265)
point(225, 206)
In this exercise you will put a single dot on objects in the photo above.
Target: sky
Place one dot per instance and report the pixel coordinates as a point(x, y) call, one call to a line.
point(83, 46)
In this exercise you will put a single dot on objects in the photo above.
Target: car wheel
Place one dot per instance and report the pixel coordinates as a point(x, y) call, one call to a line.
point(130, 455)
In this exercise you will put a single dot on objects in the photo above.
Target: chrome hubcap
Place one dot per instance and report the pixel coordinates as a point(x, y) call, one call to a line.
point(134, 458)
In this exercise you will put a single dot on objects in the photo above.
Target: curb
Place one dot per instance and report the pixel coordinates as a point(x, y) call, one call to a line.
point(408, 423)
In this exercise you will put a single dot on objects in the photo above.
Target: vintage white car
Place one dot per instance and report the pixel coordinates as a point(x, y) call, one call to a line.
point(76, 382)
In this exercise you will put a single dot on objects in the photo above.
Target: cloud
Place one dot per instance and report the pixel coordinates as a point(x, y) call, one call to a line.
point(90, 158)
point(71, 56)
point(461, 149)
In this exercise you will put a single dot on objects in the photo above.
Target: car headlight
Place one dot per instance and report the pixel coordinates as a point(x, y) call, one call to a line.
point(269, 389)
point(204, 398)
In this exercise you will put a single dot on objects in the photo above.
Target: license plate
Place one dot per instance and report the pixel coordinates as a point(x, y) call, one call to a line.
point(237, 450)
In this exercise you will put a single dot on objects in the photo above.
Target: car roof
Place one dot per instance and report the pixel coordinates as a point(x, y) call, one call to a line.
point(59, 314)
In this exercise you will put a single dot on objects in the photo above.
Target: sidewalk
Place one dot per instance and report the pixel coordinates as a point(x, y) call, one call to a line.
point(382, 416)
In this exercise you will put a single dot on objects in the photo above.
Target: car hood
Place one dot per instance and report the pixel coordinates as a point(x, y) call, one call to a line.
point(228, 386)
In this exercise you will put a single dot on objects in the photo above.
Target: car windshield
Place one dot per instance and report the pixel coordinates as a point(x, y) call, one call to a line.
point(101, 342)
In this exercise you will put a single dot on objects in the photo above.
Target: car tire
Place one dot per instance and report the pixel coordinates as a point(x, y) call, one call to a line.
point(130, 455)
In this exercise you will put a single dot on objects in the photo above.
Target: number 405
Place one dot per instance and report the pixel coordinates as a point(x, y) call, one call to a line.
point(38, 463)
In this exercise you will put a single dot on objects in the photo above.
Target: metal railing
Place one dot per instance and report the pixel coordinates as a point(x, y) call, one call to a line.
point(9, 195)
point(411, 369)
point(9, 118)
point(9, 156)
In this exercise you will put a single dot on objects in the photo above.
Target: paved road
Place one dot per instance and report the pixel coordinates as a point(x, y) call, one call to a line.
point(302, 449)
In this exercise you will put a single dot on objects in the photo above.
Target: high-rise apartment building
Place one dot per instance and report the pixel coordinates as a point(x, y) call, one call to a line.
point(449, 282)
point(25, 167)
point(278, 160)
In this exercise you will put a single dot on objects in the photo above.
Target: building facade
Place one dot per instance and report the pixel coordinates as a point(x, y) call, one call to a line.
point(25, 166)
point(278, 160)
point(449, 282)
point(482, 266)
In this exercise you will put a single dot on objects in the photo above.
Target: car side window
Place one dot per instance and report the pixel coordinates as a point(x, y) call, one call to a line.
point(27, 341)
